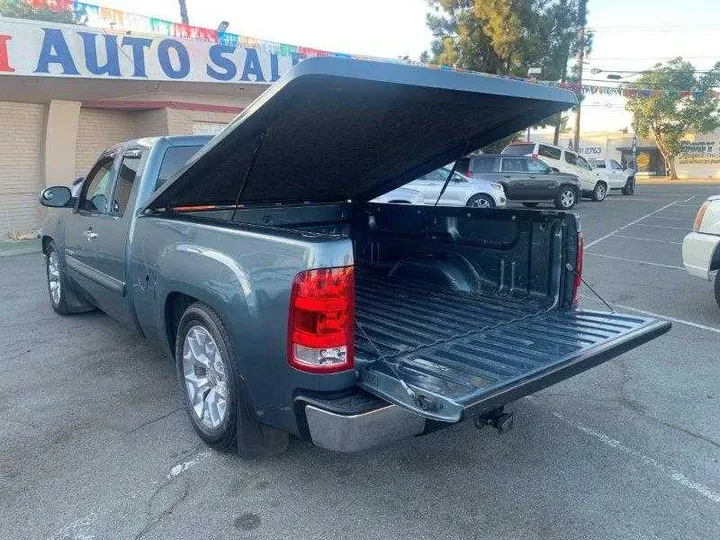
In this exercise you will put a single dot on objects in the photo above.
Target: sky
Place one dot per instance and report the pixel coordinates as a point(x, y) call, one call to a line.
point(628, 34)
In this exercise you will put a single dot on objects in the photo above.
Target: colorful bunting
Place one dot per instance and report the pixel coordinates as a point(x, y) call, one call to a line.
point(140, 23)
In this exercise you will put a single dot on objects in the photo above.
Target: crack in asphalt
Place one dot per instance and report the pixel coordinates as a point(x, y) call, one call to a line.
point(155, 420)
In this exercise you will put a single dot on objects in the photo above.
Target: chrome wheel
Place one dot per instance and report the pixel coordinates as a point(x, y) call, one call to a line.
point(600, 192)
point(53, 276)
point(205, 377)
point(480, 202)
point(567, 198)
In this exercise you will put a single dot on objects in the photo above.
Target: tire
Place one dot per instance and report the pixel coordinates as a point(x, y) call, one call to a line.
point(600, 192)
point(717, 288)
point(566, 198)
point(481, 201)
point(530, 204)
point(56, 280)
point(223, 421)
point(629, 188)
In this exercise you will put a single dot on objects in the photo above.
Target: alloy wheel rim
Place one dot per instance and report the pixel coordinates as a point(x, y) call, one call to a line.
point(567, 198)
point(480, 203)
point(205, 377)
point(601, 192)
point(54, 277)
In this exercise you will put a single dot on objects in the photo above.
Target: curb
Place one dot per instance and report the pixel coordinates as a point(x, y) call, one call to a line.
point(678, 182)
point(22, 251)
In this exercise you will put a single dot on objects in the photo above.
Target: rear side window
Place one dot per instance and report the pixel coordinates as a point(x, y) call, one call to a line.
point(549, 152)
point(513, 165)
point(584, 164)
point(615, 165)
point(174, 158)
point(126, 177)
point(483, 164)
point(519, 149)
point(570, 158)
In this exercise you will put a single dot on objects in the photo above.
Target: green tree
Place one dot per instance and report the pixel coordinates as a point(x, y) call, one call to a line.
point(507, 37)
point(20, 9)
point(681, 104)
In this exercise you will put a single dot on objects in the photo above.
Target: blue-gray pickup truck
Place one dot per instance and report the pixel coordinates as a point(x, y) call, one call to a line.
point(291, 304)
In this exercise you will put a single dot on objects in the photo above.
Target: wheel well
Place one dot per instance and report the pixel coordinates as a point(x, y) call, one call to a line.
point(715, 262)
point(45, 243)
point(603, 182)
point(175, 305)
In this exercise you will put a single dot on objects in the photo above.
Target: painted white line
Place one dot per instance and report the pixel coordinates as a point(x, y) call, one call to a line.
point(669, 472)
point(182, 467)
point(689, 198)
point(635, 261)
point(648, 239)
point(663, 227)
point(80, 529)
point(688, 205)
point(674, 218)
point(628, 225)
point(679, 321)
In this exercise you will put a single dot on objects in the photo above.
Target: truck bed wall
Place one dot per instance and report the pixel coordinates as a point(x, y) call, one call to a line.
point(518, 253)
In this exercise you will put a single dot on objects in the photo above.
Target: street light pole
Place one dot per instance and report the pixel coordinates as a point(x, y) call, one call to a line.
point(582, 6)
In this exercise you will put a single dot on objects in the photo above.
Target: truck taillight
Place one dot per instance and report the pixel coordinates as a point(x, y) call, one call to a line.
point(578, 270)
point(700, 215)
point(321, 319)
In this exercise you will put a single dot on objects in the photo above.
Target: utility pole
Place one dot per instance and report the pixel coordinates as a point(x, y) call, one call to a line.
point(183, 12)
point(582, 7)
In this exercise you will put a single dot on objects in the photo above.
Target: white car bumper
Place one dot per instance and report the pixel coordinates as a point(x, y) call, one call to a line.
point(698, 250)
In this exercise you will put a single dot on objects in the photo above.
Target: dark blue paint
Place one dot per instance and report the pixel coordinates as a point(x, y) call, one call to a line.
point(54, 50)
point(227, 68)
point(166, 64)
point(138, 46)
point(112, 63)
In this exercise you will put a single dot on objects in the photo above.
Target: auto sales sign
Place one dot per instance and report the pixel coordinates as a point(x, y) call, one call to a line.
point(34, 48)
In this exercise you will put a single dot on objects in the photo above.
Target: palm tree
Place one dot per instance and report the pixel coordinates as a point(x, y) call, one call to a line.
point(183, 12)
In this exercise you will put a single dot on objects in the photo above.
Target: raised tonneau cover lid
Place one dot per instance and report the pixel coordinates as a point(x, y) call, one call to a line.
point(333, 129)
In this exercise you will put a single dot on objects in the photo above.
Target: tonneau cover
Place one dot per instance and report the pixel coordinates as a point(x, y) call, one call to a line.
point(335, 129)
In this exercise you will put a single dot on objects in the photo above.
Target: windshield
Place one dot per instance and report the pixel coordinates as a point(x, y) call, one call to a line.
point(519, 149)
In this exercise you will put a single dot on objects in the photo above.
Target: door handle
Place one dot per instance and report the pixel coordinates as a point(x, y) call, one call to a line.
point(507, 176)
point(531, 176)
point(90, 235)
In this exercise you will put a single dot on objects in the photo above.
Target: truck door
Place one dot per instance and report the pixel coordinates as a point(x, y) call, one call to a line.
point(82, 225)
point(112, 237)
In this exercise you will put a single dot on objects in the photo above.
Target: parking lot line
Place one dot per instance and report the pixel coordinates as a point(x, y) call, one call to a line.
point(662, 227)
point(648, 239)
point(673, 218)
point(636, 261)
point(629, 224)
point(668, 472)
point(688, 205)
point(673, 319)
point(690, 198)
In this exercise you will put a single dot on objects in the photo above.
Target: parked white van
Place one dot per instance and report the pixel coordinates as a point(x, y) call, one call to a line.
point(592, 183)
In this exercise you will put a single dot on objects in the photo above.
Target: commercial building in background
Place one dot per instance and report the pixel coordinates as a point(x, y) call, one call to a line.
point(68, 92)
point(700, 156)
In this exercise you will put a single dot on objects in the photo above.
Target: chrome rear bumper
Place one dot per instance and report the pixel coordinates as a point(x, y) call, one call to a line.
point(353, 433)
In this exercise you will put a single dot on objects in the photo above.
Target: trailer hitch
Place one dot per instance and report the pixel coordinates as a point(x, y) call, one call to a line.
point(498, 418)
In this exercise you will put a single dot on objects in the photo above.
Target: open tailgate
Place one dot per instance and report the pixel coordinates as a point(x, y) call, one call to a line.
point(484, 370)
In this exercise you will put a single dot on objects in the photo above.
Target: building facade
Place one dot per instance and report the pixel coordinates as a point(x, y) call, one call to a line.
point(69, 92)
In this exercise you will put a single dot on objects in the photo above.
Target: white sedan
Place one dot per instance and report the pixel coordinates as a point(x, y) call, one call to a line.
point(401, 195)
point(700, 253)
point(461, 190)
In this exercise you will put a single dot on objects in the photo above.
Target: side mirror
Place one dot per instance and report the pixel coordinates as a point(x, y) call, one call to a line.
point(57, 197)
point(554, 170)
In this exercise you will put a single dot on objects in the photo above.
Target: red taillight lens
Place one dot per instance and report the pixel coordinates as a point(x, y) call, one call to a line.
point(321, 319)
point(700, 215)
point(534, 154)
point(578, 270)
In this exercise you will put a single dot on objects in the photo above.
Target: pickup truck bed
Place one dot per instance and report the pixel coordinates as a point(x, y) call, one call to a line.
point(476, 352)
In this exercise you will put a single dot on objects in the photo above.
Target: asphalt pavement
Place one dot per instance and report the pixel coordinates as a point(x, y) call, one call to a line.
point(94, 442)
